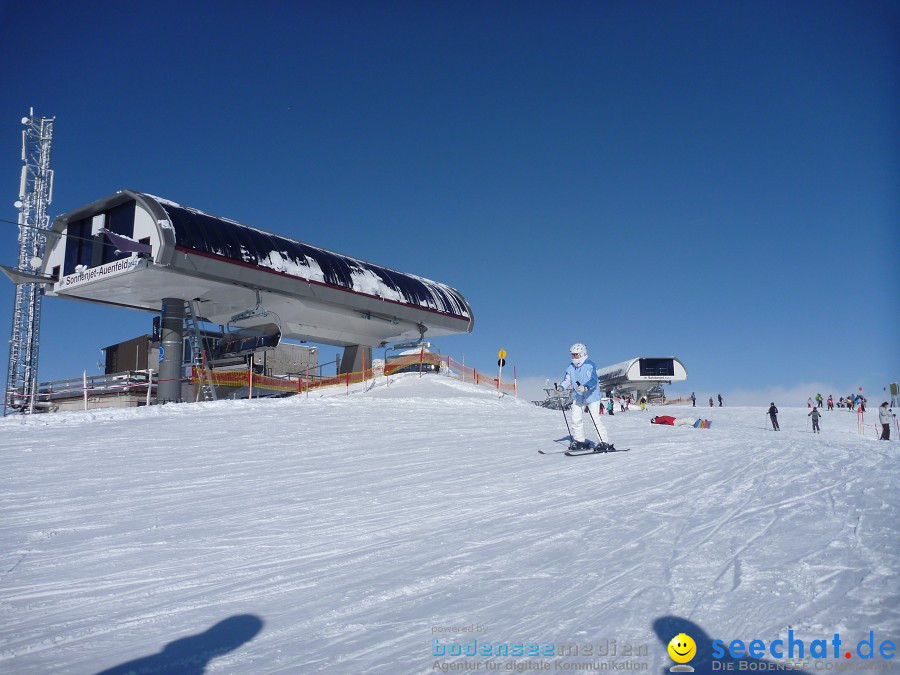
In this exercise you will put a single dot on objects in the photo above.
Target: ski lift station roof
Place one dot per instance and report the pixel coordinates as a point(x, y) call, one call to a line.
point(133, 250)
point(641, 373)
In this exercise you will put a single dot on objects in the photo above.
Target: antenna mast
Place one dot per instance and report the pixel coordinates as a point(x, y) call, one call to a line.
point(35, 195)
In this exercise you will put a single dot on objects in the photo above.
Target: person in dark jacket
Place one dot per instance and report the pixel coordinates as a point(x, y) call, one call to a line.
point(773, 415)
point(815, 414)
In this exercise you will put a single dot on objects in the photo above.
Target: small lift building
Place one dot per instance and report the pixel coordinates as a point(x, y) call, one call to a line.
point(642, 376)
point(143, 252)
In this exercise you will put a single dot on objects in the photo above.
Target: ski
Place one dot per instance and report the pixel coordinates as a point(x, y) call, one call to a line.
point(568, 449)
point(593, 450)
point(565, 439)
point(596, 451)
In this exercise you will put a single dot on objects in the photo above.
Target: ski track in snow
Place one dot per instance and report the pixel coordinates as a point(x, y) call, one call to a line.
point(352, 525)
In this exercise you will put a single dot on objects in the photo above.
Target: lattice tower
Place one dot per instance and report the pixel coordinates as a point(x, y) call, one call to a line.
point(35, 195)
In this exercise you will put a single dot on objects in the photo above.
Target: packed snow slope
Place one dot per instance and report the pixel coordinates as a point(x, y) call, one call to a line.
point(400, 529)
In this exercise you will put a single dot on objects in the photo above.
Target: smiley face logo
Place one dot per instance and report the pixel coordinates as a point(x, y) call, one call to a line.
point(682, 648)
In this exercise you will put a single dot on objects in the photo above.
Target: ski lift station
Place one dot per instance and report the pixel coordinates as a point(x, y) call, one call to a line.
point(138, 251)
point(643, 376)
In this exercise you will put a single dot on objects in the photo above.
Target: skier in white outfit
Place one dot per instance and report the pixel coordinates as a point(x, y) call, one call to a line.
point(581, 375)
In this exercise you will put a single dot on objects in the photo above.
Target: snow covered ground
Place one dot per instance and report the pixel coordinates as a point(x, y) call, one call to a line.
point(415, 528)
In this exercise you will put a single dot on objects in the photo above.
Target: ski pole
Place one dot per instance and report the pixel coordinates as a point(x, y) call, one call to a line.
point(596, 428)
point(563, 408)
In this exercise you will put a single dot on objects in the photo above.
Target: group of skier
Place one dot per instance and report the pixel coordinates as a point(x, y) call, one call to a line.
point(581, 377)
point(694, 400)
point(885, 417)
point(814, 415)
point(852, 402)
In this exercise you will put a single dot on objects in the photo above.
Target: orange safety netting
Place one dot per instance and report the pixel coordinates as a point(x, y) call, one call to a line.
point(241, 378)
point(426, 362)
point(463, 373)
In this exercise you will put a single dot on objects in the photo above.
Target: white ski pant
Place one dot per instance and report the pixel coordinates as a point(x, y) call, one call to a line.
point(578, 421)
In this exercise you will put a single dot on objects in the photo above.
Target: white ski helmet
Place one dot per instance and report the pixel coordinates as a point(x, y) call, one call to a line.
point(578, 349)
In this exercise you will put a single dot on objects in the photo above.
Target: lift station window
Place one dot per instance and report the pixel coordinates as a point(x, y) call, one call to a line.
point(657, 367)
point(119, 220)
point(78, 245)
point(87, 247)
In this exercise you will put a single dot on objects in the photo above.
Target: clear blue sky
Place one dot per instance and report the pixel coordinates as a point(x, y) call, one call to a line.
point(716, 181)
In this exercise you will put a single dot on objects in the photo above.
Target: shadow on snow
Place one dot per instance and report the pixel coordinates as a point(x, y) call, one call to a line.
point(190, 655)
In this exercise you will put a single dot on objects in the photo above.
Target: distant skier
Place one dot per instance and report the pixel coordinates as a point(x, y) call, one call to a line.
point(720, 400)
point(818, 400)
point(693, 400)
point(885, 417)
point(809, 402)
point(830, 402)
point(710, 402)
point(581, 375)
point(815, 414)
point(609, 407)
point(773, 415)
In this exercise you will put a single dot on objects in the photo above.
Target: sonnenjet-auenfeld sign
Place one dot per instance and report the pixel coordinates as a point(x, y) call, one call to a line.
point(100, 272)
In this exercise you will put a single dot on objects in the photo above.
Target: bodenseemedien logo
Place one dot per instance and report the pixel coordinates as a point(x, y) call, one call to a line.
point(682, 649)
